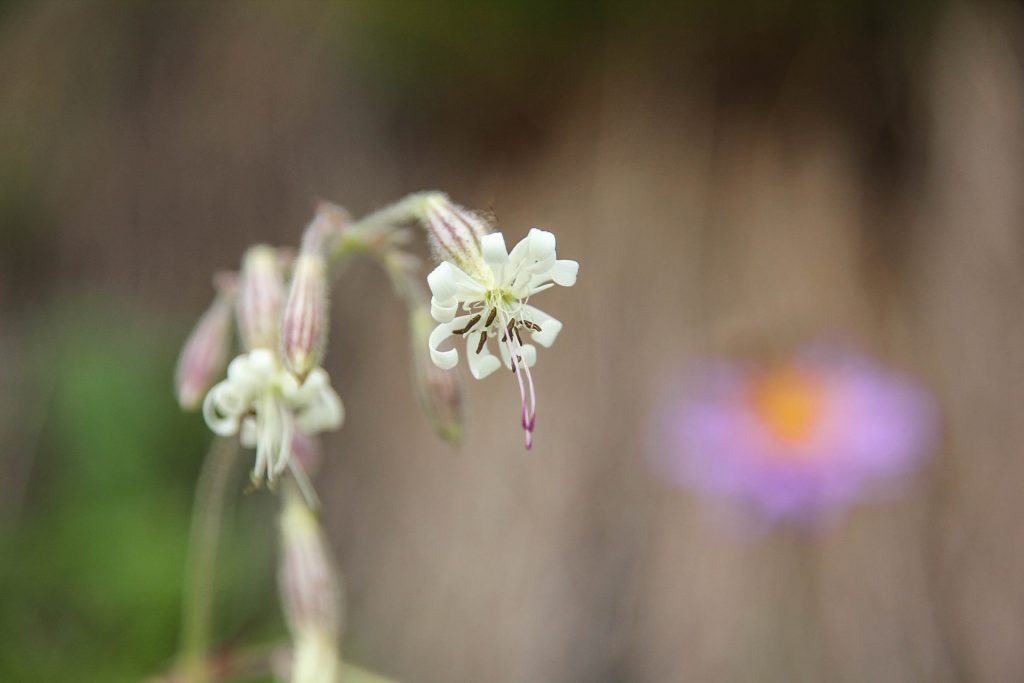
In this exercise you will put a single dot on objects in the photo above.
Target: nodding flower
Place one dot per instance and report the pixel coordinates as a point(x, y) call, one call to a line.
point(481, 293)
point(266, 405)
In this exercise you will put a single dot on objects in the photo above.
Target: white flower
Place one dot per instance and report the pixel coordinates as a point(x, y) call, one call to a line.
point(267, 405)
point(486, 300)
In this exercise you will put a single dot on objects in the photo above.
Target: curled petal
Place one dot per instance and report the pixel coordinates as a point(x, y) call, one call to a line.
point(445, 359)
point(253, 370)
point(298, 394)
point(325, 412)
point(542, 244)
point(222, 409)
point(564, 271)
point(549, 326)
point(441, 281)
point(442, 312)
point(493, 247)
point(483, 363)
point(549, 331)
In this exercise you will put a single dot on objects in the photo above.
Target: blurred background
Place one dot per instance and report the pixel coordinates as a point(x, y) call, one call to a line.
point(733, 177)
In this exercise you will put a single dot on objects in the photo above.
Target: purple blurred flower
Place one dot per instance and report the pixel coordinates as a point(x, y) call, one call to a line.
point(800, 439)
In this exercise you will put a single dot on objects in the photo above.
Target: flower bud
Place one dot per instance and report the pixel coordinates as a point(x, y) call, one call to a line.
point(260, 294)
point(327, 224)
point(304, 323)
point(310, 594)
point(455, 232)
point(438, 391)
point(205, 352)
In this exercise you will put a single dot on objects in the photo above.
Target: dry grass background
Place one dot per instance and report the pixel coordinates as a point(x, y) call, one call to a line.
point(163, 141)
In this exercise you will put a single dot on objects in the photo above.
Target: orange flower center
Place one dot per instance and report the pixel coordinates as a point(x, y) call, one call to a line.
point(788, 402)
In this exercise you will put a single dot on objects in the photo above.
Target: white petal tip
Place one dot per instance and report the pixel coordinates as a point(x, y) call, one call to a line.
point(443, 312)
point(442, 282)
point(446, 360)
point(564, 272)
point(484, 367)
point(493, 247)
point(546, 337)
point(542, 243)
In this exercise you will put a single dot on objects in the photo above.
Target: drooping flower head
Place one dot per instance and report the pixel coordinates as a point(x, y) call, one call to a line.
point(481, 293)
point(799, 439)
point(271, 406)
point(266, 405)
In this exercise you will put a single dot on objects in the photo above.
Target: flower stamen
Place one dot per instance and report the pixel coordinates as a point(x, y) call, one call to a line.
point(529, 407)
point(469, 326)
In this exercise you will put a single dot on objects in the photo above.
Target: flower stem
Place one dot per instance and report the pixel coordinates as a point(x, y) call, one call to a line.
point(379, 227)
point(200, 572)
point(257, 663)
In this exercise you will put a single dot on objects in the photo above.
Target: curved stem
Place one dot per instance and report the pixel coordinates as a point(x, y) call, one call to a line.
point(201, 562)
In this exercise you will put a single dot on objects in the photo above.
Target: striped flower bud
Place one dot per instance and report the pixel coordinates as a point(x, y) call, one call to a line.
point(455, 233)
point(438, 391)
point(260, 294)
point(304, 323)
point(310, 594)
point(205, 352)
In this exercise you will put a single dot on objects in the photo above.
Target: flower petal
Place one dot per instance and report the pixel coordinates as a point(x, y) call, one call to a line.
point(493, 247)
point(483, 363)
point(247, 433)
point(441, 281)
point(326, 412)
point(549, 326)
point(442, 312)
point(445, 359)
point(519, 253)
point(542, 244)
point(529, 354)
point(223, 407)
point(564, 271)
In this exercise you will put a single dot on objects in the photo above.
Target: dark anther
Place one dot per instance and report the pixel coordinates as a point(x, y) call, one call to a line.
point(532, 325)
point(472, 321)
point(480, 344)
point(516, 330)
point(490, 317)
